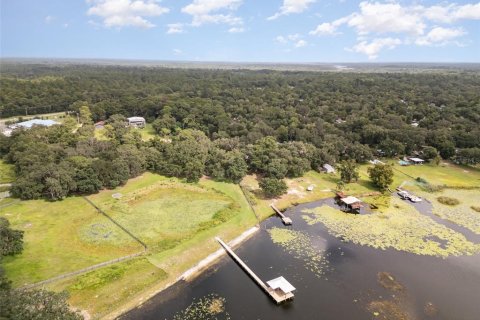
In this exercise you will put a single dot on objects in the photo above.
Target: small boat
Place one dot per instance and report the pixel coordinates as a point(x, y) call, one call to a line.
point(415, 198)
point(403, 194)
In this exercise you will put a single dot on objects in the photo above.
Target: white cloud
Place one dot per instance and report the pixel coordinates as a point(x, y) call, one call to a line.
point(372, 48)
point(49, 19)
point(281, 39)
point(291, 6)
point(385, 18)
point(294, 40)
point(175, 28)
point(378, 25)
point(440, 36)
point(207, 11)
point(328, 28)
point(122, 13)
point(177, 52)
point(300, 43)
point(452, 12)
point(236, 30)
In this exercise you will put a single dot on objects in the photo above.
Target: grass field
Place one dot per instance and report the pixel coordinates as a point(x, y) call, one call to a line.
point(57, 116)
point(7, 174)
point(147, 133)
point(178, 221)
point(61, 237)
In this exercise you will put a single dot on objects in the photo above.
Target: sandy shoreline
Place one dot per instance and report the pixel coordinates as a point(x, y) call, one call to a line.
point(191, 273)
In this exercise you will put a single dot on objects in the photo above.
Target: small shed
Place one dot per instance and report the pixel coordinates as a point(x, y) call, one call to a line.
point(281, 286)
point(416, 160)
point(328, 168)
point(99, 125)
point(351, 204)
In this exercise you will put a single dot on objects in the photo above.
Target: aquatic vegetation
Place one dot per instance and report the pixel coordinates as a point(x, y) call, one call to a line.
point(387, 310)
point(300, 246)
point(448, 201)
point(430, 309)
point(210, 307)
point(399, 227)
point(389, 282)
point(463, 214)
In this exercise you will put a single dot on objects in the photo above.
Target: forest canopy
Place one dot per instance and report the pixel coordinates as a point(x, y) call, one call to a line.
point(226, 123)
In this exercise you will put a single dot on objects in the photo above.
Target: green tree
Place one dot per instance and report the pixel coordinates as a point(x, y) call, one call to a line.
point(381, 175)
point(273, 187)
point(348, 171)
point(430, 153)
point(11, 241)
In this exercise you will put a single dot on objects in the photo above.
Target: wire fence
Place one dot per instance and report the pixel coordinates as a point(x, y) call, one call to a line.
point(116, 223)
point(74, 273)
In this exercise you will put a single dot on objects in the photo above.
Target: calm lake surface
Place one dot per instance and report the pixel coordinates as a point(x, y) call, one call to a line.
point(344, 290)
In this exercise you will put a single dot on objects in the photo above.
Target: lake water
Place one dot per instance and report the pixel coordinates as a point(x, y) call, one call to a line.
point(347, 288)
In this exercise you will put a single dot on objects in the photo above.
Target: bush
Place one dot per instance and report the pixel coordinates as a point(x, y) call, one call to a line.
point(475, 208)
point(448, 201)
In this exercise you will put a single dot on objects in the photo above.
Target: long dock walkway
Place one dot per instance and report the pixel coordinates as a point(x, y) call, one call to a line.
point(286, 220)
point(278, 297)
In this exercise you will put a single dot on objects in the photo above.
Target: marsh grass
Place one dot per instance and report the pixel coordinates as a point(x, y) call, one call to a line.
point(448, 201)
point(462, 213)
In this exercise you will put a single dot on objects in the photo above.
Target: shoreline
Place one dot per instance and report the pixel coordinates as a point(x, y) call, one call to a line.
point(190, 274)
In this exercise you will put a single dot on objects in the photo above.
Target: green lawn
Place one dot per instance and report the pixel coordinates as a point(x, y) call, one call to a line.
point(147, 133)
point(53, 116)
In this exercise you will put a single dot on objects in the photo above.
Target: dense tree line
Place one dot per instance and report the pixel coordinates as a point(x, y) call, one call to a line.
point(226, 123)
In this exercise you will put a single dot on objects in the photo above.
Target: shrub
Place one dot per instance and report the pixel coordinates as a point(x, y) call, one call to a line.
point(476, 208)
point(448, 201)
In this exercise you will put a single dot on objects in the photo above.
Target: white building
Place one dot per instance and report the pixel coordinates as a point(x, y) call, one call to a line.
point(138, 122)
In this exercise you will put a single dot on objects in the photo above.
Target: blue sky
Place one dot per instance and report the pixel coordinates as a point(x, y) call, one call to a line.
point(243, 30)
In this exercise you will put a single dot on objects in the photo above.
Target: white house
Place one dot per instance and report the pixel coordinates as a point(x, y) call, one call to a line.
point(138, 122)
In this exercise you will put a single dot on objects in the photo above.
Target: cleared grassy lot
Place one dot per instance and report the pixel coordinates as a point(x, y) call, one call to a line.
point(61, 237)
point(178, 221)
point(147, 133)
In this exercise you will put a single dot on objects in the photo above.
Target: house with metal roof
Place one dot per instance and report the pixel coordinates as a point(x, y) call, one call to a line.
point(34, 122)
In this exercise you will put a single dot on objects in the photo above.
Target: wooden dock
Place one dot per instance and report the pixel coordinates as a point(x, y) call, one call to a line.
point(277, 295)
point(286, 220)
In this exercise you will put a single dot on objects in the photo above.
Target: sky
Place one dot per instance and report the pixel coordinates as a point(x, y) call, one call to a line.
point(297, 31)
